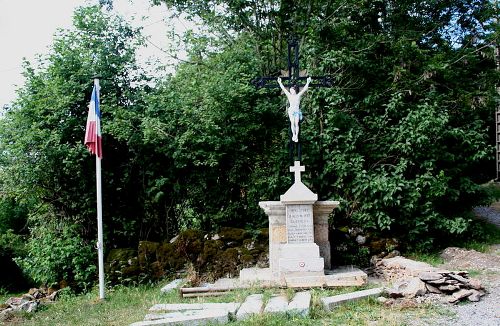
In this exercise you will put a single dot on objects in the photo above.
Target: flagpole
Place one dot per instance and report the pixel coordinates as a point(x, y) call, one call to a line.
point(100, 243)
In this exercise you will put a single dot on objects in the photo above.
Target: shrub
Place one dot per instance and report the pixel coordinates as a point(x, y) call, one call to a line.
point(55, 252)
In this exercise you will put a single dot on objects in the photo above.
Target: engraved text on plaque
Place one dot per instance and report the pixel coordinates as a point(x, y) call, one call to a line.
point(299, 223)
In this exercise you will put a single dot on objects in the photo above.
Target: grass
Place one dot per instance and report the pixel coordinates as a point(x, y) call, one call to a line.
point(488, 235)
point(125, 305)
point(432, 258)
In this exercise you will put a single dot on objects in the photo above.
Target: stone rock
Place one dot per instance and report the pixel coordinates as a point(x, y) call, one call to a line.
point(361, 240)
point(147, 253)
point(52, 296)
point(382, 299)
point(409, 288)
point(389, 302)
point(449, 288)
point(394, 293)
point(400, 268)
point(29, 306)
point(415, 287)
point(440, 281)
point(433, 289)
point(474, 296)
point(475, 284)
point(455, 297)
point(392, 254)
point(451, 282)
point(430, 276)
point(29, 297)
point(233, 234)
point(458, 278)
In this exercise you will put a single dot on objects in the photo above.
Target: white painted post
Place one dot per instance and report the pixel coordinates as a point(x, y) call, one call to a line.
point(100, 244)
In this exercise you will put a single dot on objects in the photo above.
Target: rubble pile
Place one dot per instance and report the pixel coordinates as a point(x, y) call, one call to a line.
point(28, 302)
point(451, 286)
point(413, 279)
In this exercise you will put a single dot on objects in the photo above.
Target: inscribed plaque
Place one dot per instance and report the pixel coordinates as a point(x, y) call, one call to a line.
point(299, 223)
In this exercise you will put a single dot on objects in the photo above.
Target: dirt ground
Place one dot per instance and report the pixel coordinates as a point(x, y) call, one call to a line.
point(486, 268)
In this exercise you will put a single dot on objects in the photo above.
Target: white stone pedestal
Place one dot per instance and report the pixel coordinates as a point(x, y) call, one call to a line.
point(299, 249)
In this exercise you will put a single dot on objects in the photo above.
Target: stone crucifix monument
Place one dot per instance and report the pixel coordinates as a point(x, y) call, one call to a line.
point(299, 247)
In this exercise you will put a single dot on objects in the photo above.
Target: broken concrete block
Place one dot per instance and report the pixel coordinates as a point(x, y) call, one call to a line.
point(251, 306)
point(330, 302)
point(300, 304)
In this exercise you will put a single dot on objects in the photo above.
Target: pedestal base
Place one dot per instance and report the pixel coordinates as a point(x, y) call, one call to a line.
point(303, 258)
point(343, 276)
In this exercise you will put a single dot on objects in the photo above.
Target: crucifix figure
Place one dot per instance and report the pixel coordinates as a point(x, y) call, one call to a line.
point(294, 113)
point(292, 80)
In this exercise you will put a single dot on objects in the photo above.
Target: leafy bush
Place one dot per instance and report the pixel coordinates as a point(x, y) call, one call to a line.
point(56, 252)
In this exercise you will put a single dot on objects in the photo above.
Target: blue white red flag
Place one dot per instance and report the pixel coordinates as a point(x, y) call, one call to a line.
point(93, 139)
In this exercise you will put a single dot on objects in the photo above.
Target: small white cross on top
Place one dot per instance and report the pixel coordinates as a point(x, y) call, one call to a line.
point(297, 168)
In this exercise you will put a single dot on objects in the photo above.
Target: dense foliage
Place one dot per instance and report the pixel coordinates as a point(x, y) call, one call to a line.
point(403, 138)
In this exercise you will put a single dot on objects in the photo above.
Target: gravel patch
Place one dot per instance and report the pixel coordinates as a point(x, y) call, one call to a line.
point(489, 214)
point(483, 313)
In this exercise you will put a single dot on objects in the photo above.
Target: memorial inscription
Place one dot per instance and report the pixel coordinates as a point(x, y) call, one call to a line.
point(299, 223)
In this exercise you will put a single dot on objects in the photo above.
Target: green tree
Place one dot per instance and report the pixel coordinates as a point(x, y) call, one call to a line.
point(43, 159)
point(217, 137)
point(402, 137)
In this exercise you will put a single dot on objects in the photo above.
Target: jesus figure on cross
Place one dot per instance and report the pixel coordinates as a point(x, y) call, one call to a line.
point(294, 112)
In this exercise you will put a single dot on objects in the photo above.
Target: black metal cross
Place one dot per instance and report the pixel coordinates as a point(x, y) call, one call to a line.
point(293, 80)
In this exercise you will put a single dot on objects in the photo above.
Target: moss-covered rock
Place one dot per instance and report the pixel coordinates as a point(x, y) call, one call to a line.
point(147, 253)
point(228, 234)
point(226, 264)
point(121, 255)
point(211, 249)
point(169, 258)
point(247, 260)
point(190, 243)
point(122, 265)
point(263, 235)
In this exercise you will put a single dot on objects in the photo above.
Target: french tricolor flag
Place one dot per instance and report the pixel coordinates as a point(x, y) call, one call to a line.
point(93, 139)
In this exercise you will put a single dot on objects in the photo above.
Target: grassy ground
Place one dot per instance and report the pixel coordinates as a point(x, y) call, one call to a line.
point(125, 305)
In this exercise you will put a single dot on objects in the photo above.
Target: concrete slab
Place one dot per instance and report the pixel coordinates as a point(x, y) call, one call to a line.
point(251, 306)
point(172, 285)
point(189, 317)
point(229, 283)
point(342, 277)
point(258, 277)
point(300, 304)
point(330, 302)
point(277, 304)
point(228, 307)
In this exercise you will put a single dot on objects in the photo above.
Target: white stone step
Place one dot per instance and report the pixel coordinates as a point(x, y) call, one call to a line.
point(252, 306)
point(277, 304)
point(189, 317)
point(331, 302)
point(300, 304)
point(172, 285)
